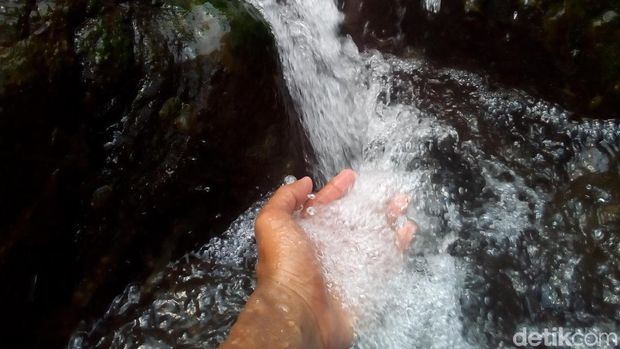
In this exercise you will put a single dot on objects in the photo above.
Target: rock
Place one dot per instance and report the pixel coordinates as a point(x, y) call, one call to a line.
point(130, 132)
point(565, 51)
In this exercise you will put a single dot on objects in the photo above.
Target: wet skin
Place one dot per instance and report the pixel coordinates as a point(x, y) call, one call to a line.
point(291, 306)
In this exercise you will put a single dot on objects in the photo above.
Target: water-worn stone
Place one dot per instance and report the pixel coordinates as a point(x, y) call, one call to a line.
point(130, 132)
point(566, 51)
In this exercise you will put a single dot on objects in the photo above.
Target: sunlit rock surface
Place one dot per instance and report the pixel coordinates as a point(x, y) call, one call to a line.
point(130, 132)
point(568, 51)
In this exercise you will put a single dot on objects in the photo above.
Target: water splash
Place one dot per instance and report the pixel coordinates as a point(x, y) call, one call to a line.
point(395, 300)
point(192, 303)
point(432, 5)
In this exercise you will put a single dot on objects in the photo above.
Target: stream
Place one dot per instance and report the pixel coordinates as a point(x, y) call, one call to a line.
point(517, 200)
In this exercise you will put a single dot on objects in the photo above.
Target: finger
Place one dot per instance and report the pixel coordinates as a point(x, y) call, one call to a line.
point(405, 234)
point(404, 229)
point(335, 189)
point(290, 197)
point(397, 207)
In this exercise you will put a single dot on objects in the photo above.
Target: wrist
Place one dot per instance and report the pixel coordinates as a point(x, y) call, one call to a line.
point(274, 317)
point(325, 323)
point(286, 305)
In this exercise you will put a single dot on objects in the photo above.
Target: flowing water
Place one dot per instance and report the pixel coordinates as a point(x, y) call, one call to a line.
point(517, 201)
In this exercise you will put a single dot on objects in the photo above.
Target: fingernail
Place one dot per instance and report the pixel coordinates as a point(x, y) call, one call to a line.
point(412, 225)
point(304, 179)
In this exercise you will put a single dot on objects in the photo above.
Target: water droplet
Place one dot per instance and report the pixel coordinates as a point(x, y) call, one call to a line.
point(311, 196)
point(311, 211)
point(599, 234)
point(203, 188)
point(290, 179)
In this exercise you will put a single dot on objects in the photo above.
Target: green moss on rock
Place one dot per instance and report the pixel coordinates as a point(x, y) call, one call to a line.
point(112, 114)
point(104, 46)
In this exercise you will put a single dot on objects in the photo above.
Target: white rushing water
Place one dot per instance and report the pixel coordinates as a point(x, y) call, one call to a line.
point(432, 5)
point(397, 304)
point(322, 71)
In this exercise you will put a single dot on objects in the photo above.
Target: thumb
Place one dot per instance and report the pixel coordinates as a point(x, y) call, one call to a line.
point(290, 197)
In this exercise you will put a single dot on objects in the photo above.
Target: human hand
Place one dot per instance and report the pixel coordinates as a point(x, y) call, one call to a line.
point(289, 273)
point(287, 257)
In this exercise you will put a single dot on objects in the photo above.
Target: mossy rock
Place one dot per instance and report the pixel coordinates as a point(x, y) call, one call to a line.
point(114, 118)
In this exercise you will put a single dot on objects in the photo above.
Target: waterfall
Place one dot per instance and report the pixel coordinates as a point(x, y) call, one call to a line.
point(432, 5)
point(496, 179)
point(322, 71)
point(338, 93)
point(409, 127)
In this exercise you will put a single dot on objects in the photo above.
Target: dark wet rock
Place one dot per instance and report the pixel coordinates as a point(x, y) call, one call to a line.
point(192, 303)
point(130, 132)
point(563, 272)
point(567, 51)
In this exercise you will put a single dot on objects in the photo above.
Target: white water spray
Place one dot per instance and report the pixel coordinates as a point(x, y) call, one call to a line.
point(432, 5)
point(322, 71)
point(337, 90)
